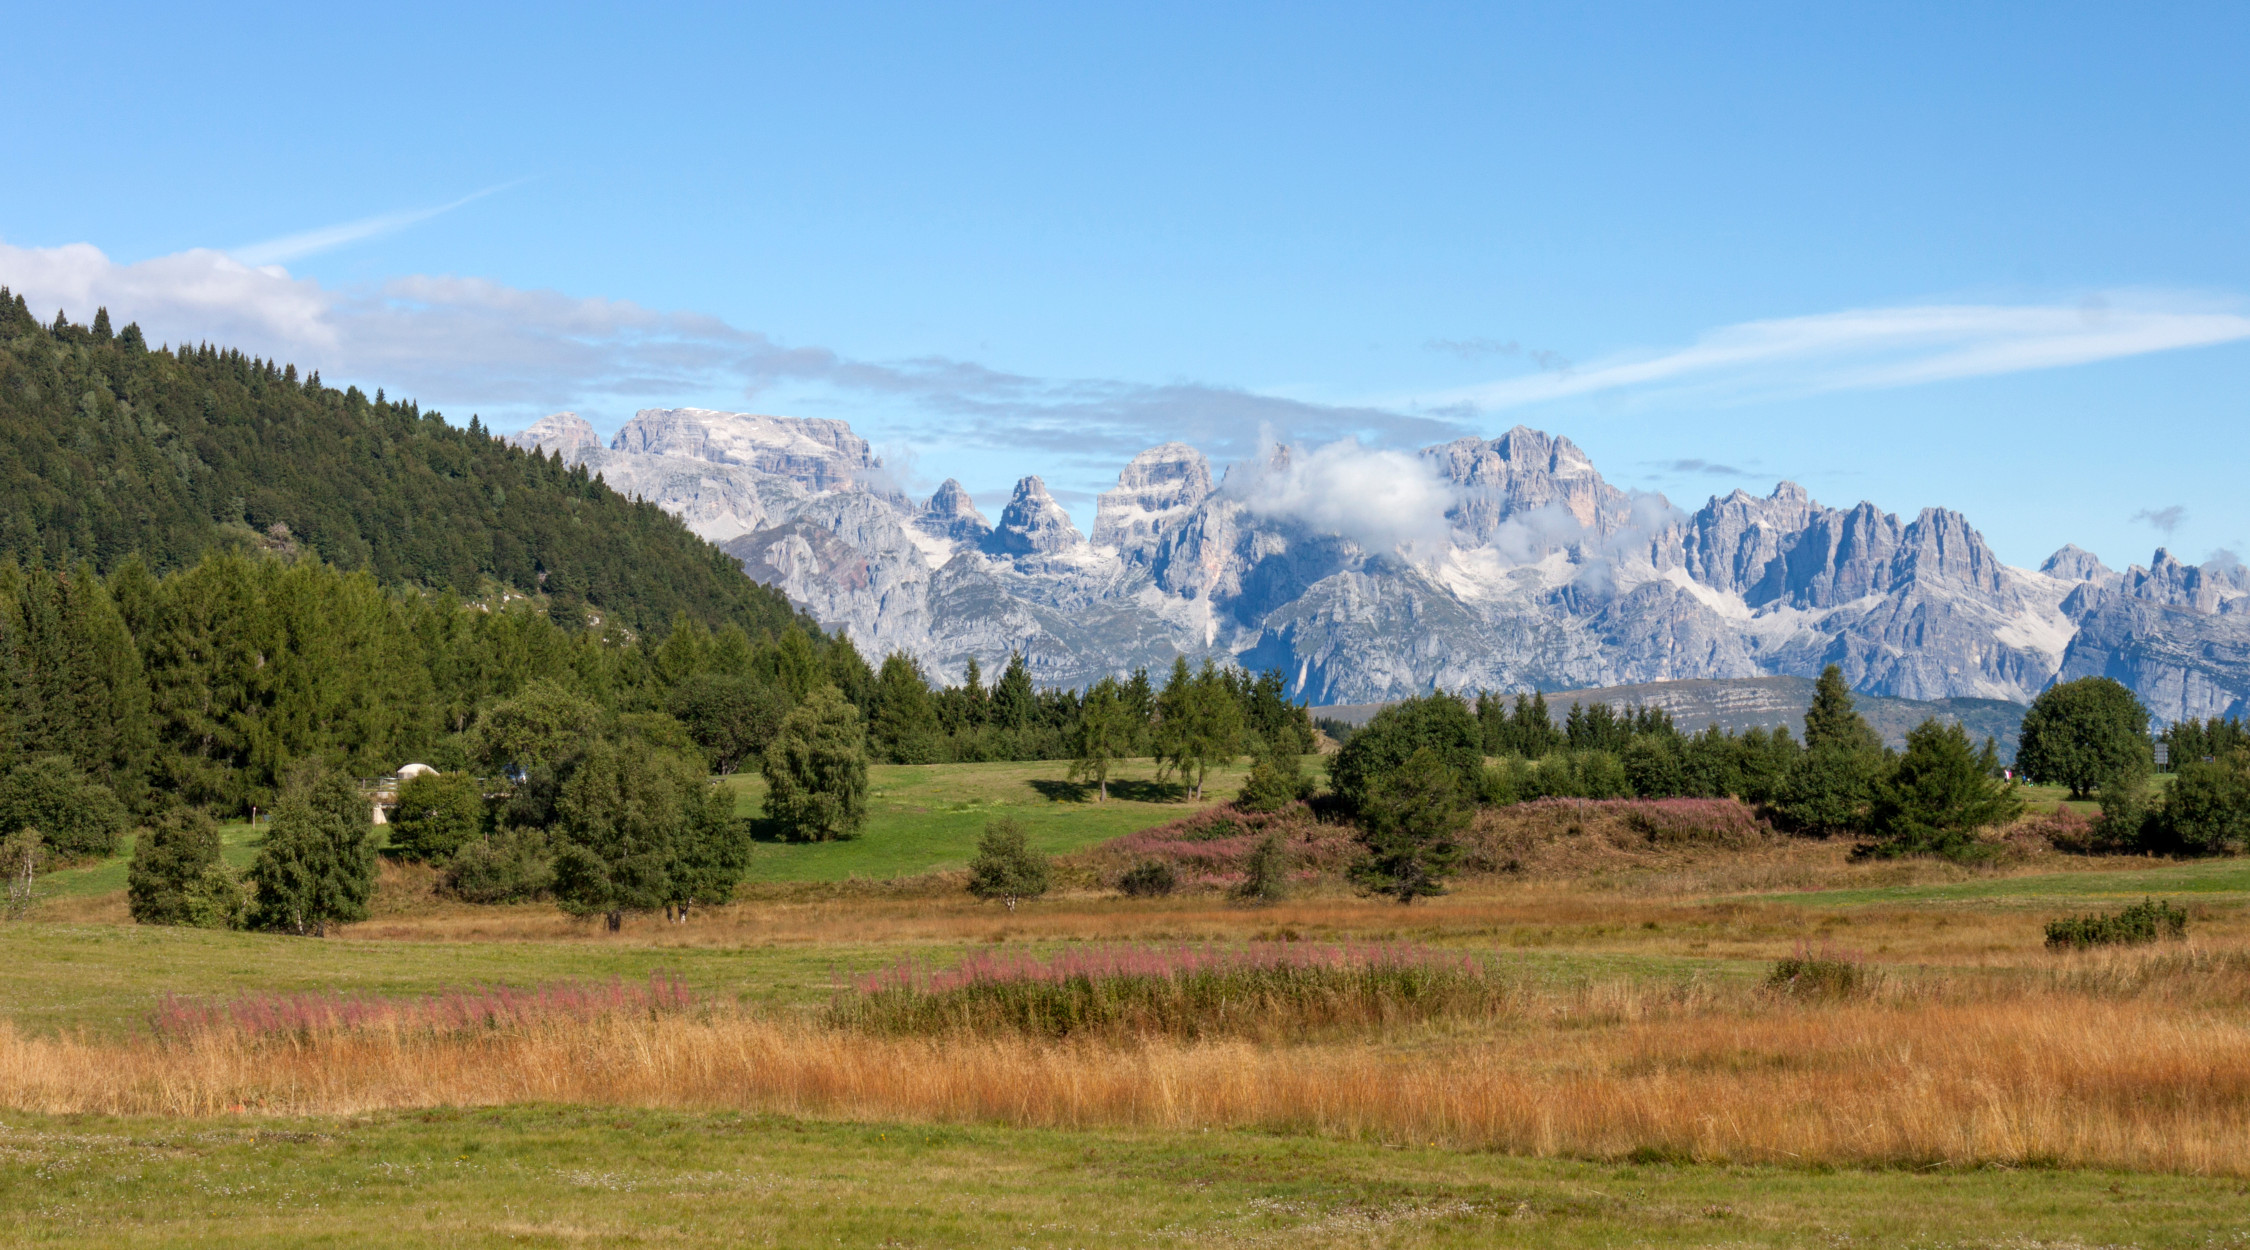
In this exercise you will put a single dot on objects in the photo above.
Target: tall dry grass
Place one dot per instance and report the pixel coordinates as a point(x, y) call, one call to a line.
point(2058, 1076)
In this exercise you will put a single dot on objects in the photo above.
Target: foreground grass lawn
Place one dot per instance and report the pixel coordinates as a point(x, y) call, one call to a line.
point(618, 1176)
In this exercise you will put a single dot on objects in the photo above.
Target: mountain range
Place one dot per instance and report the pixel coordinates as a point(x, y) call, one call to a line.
point(1504, 564)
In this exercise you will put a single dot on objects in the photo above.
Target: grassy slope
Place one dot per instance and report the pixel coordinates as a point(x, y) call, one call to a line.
point(560, 1176)
point(928, 816)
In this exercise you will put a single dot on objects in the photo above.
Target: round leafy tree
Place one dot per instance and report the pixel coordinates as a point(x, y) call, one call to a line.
point(816, 770)
point(2083, 733)
point(1438, 723)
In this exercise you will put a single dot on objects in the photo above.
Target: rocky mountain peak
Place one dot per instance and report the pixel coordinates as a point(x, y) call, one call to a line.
point(1154, 493)
point(1033, 524)
point(951, 514)
point(563, 433)
point(2074, 563)
point(1940, 545)
point(2170, 580)
point(818, 453)
point(1525, 470)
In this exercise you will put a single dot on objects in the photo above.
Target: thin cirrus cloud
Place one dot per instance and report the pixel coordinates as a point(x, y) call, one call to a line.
point(289, 247)
point(515, 354)
point(1877, 348)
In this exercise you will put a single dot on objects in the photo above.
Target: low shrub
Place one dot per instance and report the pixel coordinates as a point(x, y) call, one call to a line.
point(1818, 974)
point(2145, 921)
point(1148, 879)
point(513, 867)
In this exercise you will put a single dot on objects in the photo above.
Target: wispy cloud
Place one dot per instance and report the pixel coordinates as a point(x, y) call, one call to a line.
point(464, 342)
point(1692, 465)
point(2167, 519)
point(291, 247)
point(1879, 348)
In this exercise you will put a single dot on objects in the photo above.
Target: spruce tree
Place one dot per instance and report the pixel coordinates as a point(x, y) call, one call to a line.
point(1409, 819)
point(904, 728)
point(1938, 796)
point(1014, 700)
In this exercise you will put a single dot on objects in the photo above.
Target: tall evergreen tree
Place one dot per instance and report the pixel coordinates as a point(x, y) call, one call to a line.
point(1103, 736)
point(1939, 796)
point(904, 728)
point(1014, 700)
point(1409, 819)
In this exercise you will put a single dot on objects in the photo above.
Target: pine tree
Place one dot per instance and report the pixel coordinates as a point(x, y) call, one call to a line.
point(1104, 735)
point(1832, 720)
point(1939, 796)
point(1409, 820)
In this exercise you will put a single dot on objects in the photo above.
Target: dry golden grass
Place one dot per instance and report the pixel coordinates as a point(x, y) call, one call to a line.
point(2105, 1074)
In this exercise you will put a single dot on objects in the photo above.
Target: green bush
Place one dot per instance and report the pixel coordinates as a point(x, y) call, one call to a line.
point(177, 877)
point(1817, 974)
point(1006, 868)
point(1148, 879)
point(2145, 921)
point(2207, 810)
point(1275, 781)
point(437, 815)
point(75, 818)
point(512, 867)
point(1265, 873)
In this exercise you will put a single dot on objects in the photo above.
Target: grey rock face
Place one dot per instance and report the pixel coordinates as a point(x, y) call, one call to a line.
point(952, 515)
point(1553, 578)
point(1158, 491)
point(1033, 524)
point(817, 453)
point(2075, 564)
point(562, 433)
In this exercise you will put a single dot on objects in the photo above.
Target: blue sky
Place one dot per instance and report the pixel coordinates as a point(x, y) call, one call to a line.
point(1991, 257)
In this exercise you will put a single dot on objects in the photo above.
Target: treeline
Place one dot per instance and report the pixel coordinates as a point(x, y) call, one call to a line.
point(1831, 782)
point(112, 451)
point(205, 686)
point(912, 721)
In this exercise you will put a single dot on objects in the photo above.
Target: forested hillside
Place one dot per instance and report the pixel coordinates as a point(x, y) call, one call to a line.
point(111, 450)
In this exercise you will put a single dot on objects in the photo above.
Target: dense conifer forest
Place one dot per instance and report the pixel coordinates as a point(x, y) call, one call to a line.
point(112, 450)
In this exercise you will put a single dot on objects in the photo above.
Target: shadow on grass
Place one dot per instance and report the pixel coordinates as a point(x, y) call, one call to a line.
point(1132, 791)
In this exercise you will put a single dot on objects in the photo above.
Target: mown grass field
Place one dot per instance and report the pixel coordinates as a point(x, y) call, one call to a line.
point(1643, 1087)
point(560, 1176)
